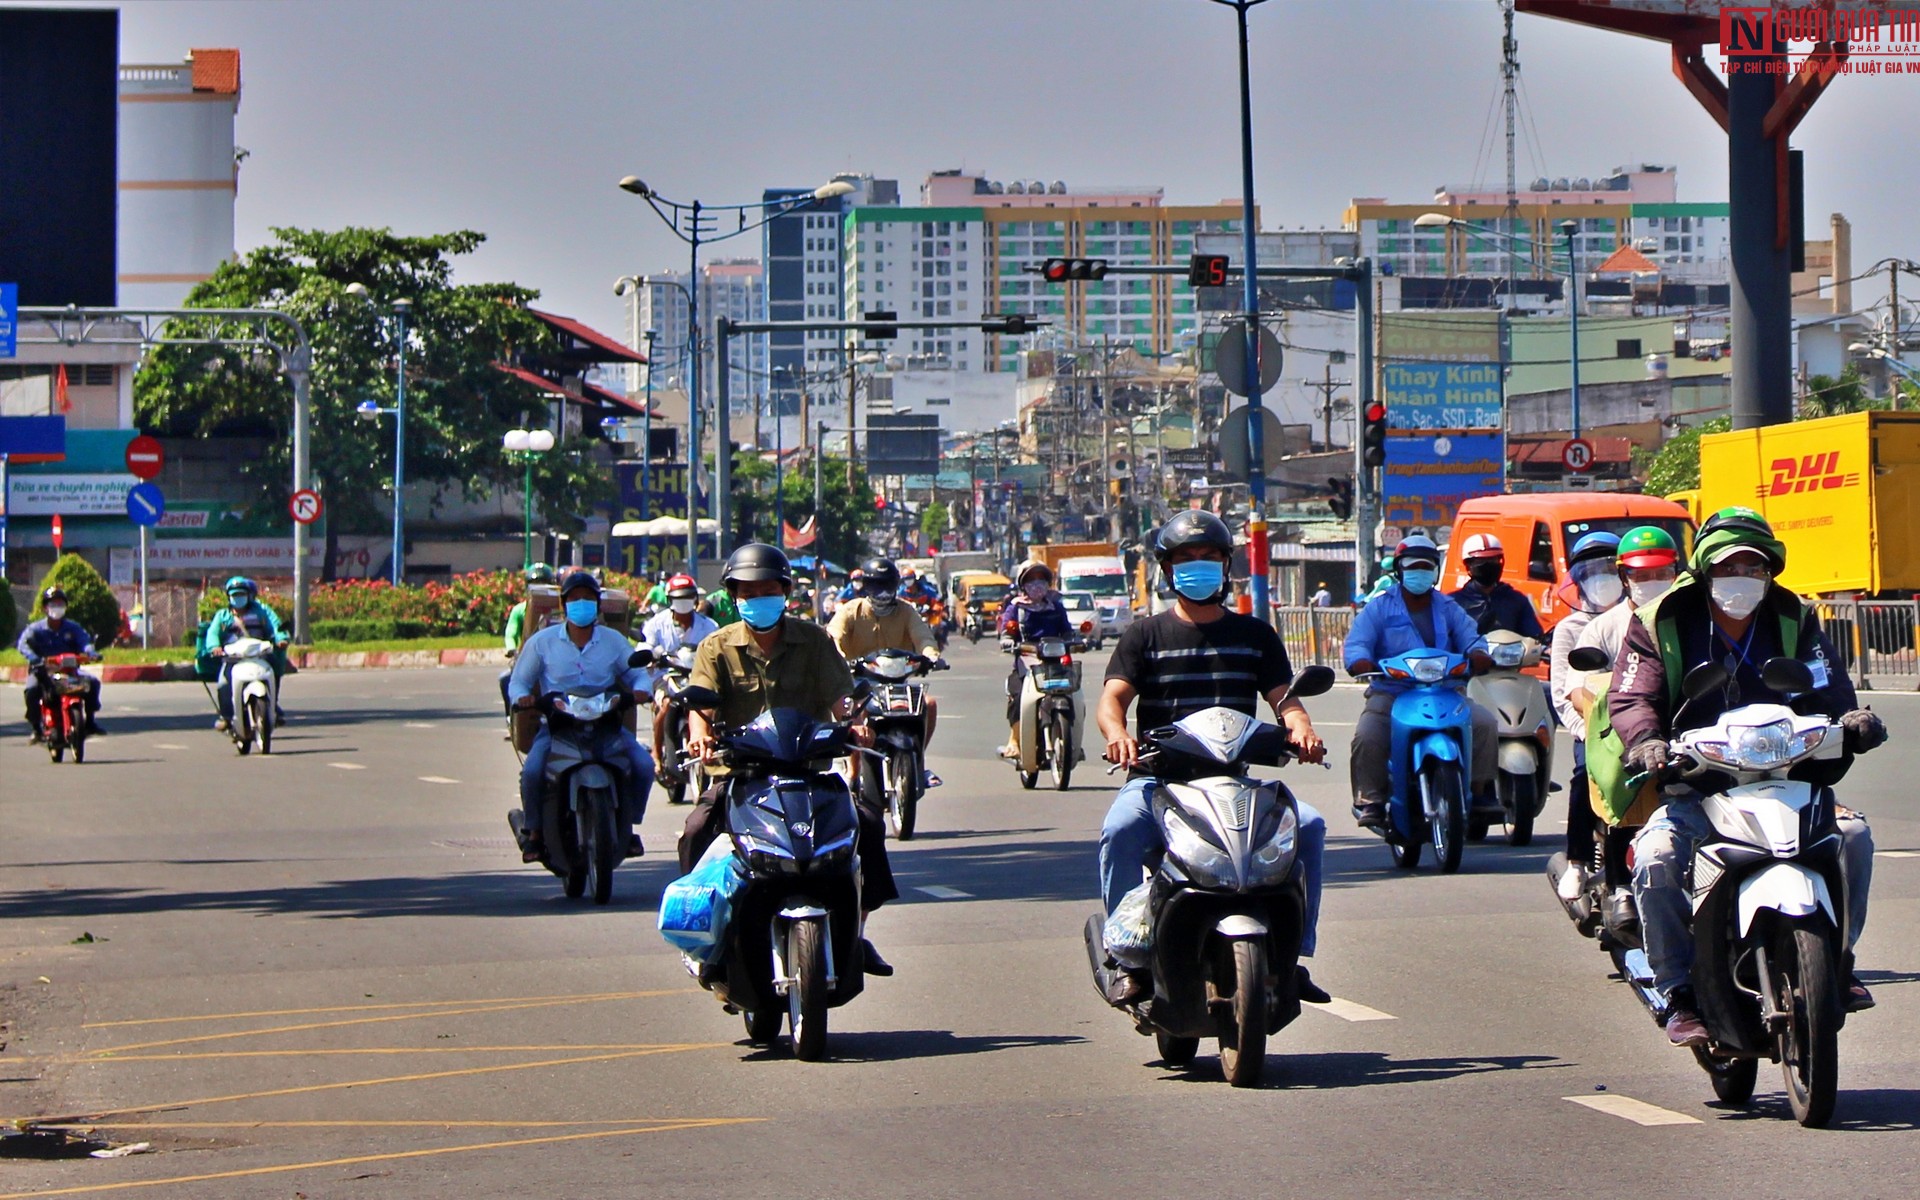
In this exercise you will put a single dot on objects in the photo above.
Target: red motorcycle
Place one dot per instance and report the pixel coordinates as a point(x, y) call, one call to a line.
point(63, 706)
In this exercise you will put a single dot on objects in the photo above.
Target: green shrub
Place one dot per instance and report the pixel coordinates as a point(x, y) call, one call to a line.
point(369, 631)
point(89, 600)
point(9, 616)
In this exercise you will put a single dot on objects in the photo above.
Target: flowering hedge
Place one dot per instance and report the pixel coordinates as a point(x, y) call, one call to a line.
point(472, 603)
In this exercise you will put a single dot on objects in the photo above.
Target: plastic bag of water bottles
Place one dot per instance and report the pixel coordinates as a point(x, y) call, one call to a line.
point(1129, 931)
point(695, 908)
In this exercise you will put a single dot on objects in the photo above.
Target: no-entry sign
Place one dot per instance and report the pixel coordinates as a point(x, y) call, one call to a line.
point(145, 457)
point(305, 506)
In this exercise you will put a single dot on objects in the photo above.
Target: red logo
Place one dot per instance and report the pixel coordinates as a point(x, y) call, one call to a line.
point(1746, 30)
point(1809, 473)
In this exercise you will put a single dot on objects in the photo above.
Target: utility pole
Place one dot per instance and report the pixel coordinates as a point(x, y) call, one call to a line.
point(1326, 388)
point(1510, 74)
point(853, 421)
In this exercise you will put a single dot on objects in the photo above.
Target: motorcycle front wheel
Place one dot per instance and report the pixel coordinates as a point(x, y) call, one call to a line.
point(762, 1027)
point(1519, 796)
point(1243, 1031)
point(1175, 1051)
point(1449, 827)
point(602, 850)
point(260, 723)
point(903, 806)
point(1732, 1078)
point(807, 998)
point(1806, 982)
point(1060, 751)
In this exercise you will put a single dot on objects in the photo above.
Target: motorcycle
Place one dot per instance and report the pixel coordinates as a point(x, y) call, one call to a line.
point(1429, 757)
point(584, 819)
point(1049, 712)
point(934, 613)
point(792, 945)
point(675, 775)
point(1226, 908)
point(1769, 898)
point(894, 779)
point(63, 705)
point(256, 693)
point(1519, 704)
point(974, 626)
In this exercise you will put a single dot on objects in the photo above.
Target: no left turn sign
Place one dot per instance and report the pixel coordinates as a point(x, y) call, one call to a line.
point(305, 506)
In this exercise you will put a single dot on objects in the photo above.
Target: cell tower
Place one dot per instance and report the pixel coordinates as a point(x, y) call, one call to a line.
point(1510, 77)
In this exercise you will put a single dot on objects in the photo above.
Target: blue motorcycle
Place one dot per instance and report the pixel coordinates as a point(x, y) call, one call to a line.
point(1430, 756)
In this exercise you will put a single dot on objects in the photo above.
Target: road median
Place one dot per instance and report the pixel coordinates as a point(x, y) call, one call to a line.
point(305, 660)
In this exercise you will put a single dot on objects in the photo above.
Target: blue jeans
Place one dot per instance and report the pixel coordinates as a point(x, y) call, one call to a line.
point(637, 780)
point(1131, 843)
point(1663, 851)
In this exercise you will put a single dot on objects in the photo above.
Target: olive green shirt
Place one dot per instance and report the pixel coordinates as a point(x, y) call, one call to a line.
point(804, 671)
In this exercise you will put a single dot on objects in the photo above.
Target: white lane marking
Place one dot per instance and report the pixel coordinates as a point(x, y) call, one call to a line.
point(1629, 1109)
point(437, 779)
point(168, 746)
point(419, 725)
point(1347, 1010)
point(1896, 853)
point(348, 766)
point(1333, 724)
point(942, 892)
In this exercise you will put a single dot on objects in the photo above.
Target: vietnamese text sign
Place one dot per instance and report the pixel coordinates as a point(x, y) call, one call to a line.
point(71, 495)
point(263, 555)
point(665, 496)
point(1452, 335)
point(1442, 395)
point(1427, 476)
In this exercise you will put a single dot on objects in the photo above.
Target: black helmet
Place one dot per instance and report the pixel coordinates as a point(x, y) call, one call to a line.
point(881, 575)
point(580, 579)
point(539, 573)
point(757, 562)
point(49, 596)
point(1194, 527)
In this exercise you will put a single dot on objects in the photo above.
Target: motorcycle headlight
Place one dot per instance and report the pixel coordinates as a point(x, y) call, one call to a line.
point(1428, 670)
point(1273, 861)
point(1508, 654)
point(767, 862)
point(1762, 747)
point(1205, 863)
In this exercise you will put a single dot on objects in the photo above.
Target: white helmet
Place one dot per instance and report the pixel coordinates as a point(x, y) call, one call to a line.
point(1482, 546)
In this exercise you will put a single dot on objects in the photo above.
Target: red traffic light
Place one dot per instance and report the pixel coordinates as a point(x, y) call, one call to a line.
point(1376, 412)
point(1055, 270)
point(879, 502)
point(1060, 270)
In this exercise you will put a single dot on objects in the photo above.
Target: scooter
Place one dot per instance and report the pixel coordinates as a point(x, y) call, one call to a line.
point(791, 946)
point(584, 819)
point(256, 693)
point(677, 777)
point(1429, 760)
point(1519, 704)
point(1050, 712)
point(893, 779)
point(1769, 898)
point(1227, 906)
point(974, 625)
point(63, 706)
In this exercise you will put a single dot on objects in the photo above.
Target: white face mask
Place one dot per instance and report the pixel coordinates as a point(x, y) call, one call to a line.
point(1647, 592)
point(1738, 597)
point(684, 605)
point(57, 612)
point(1602, 592)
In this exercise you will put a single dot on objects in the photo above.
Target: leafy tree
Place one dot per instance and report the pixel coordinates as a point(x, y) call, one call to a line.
point(849, 514)
point(90, 601)
point(934, 522)
point(1675, 466)
point(1827, 396)
point(458, 406)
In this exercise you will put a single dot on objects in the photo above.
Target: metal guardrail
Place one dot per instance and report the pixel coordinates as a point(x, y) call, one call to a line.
point(1875, 639)
point(1313, 636)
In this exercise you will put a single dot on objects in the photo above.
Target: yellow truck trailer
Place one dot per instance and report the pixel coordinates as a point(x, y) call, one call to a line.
point(1842, 492)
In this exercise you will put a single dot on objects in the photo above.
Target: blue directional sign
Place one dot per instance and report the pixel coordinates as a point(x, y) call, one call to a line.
point(145, 504)
point(9, 318)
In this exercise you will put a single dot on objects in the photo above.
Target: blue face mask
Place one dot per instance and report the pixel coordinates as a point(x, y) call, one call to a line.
point(1419, 580)
point(763, 612)
point(583, 612)
point(1199, 581)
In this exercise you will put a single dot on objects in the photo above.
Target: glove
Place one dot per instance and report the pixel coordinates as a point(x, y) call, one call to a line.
point(1865, 730)
point(1650, 756)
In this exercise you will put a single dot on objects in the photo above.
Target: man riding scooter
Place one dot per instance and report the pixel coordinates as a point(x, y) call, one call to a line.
point(49, 637)
point(245, 616)
point(1490, 603)
point(580, 655)
point(878, 620)
point(678, 626)
point(1727, 609)
point(1194, 656)
point(1410, 615)
point(516, 629)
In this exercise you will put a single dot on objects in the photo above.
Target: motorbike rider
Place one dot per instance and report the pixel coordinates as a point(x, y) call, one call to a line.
point(246, 616)
point(665, 632)
point(855, 579)
point(1412, 613)
point(1491, 603)
point(657, 597)
point(1193, 656)
point(579, 654)
point(916, 588)
point(49, 637)
point(1033, 612)
point(1727, 608)
point(516, 628)
point(877, 620)
point(769, 660)
point(719, 605)
point(1593, 586)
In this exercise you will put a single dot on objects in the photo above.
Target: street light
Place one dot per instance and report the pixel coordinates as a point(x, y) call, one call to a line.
point(621, 287)
point(527, 445)
point(691, 223)
point(369, 411)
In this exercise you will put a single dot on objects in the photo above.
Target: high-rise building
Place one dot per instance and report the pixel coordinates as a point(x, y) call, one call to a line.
point(733, 288)
point(179, 174)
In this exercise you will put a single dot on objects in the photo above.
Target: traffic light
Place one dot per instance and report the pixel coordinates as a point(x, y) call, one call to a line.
point(1340, 497)
point(1013, 323)
point(1373, 436)
point(1207, 270)
point(1060, 270)
point(879, 326)
point(879, 502)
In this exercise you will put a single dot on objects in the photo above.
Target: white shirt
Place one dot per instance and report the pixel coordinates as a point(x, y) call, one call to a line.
point(1607, 633)
point(663, 635)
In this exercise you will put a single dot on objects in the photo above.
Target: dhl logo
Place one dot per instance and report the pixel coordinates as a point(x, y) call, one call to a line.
point(1808, 473)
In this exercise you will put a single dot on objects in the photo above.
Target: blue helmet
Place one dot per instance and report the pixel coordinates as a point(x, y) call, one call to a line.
point(240, 583)
point(1594, 545)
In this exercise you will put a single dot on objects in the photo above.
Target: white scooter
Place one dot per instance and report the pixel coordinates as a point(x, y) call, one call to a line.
point(256, 693)
point(1519, 705)
point(1050, 711)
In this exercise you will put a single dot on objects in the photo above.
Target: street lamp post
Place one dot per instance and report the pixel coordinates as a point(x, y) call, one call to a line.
point(646, 447)
point(527, 445)
point(369, 411)
point(1571, 229)
point(693, 223)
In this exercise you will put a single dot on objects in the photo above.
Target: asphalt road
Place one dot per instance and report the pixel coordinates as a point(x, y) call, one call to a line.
point(326, 974)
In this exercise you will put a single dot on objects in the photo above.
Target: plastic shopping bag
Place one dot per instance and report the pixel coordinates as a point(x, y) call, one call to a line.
point(1129, 931)
point(695, 908)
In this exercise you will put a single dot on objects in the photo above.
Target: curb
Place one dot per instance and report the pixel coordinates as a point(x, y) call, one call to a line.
point(179, 672)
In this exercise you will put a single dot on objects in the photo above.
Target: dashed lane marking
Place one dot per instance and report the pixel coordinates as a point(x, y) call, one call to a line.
point(942, 892)
point(1629, 1109)
point(1896, 853)
point(168, 746)
point(1347, 1010)
point(419, 725)
point(437, 779)
point(348, 766)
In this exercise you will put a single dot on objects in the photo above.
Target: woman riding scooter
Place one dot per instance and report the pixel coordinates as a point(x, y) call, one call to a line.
point(245, 616)
point(1035, 612)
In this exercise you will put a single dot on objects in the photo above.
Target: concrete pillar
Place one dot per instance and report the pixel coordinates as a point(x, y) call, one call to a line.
point(1761, 326)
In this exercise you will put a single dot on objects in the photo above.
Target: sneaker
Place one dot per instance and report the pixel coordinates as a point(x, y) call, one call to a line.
point(94, 730)
point(1571, 883)
point(1684, 1026)
point(1309, 991)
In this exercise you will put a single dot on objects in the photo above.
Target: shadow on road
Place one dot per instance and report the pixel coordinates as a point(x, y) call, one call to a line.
point(961, 835)
point(1322, 1072)
point(1869, 1110)
point(899, 1045)
point(1352, 862)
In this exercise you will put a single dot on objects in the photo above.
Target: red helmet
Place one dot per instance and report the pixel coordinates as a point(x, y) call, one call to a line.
point(682, 585)
point(1481, 547)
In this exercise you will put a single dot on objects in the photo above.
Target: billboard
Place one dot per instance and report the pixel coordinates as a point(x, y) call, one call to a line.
point(664, 496)
point(1442, 395)
point(1428, 475)
point(903, 444)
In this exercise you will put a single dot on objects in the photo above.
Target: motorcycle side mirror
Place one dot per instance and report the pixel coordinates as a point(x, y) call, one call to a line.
point(695, 696)
point(1316, 680)
point(1704, 680)
point(642, 657)
point(1787, 676)
point(1589, 658)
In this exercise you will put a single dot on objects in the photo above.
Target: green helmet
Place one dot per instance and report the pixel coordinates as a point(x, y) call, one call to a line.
point(1647, 546)
point(540, 573)
point(1731, 530)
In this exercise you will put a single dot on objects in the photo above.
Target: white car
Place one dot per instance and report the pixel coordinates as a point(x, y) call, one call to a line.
point(1080, 609)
